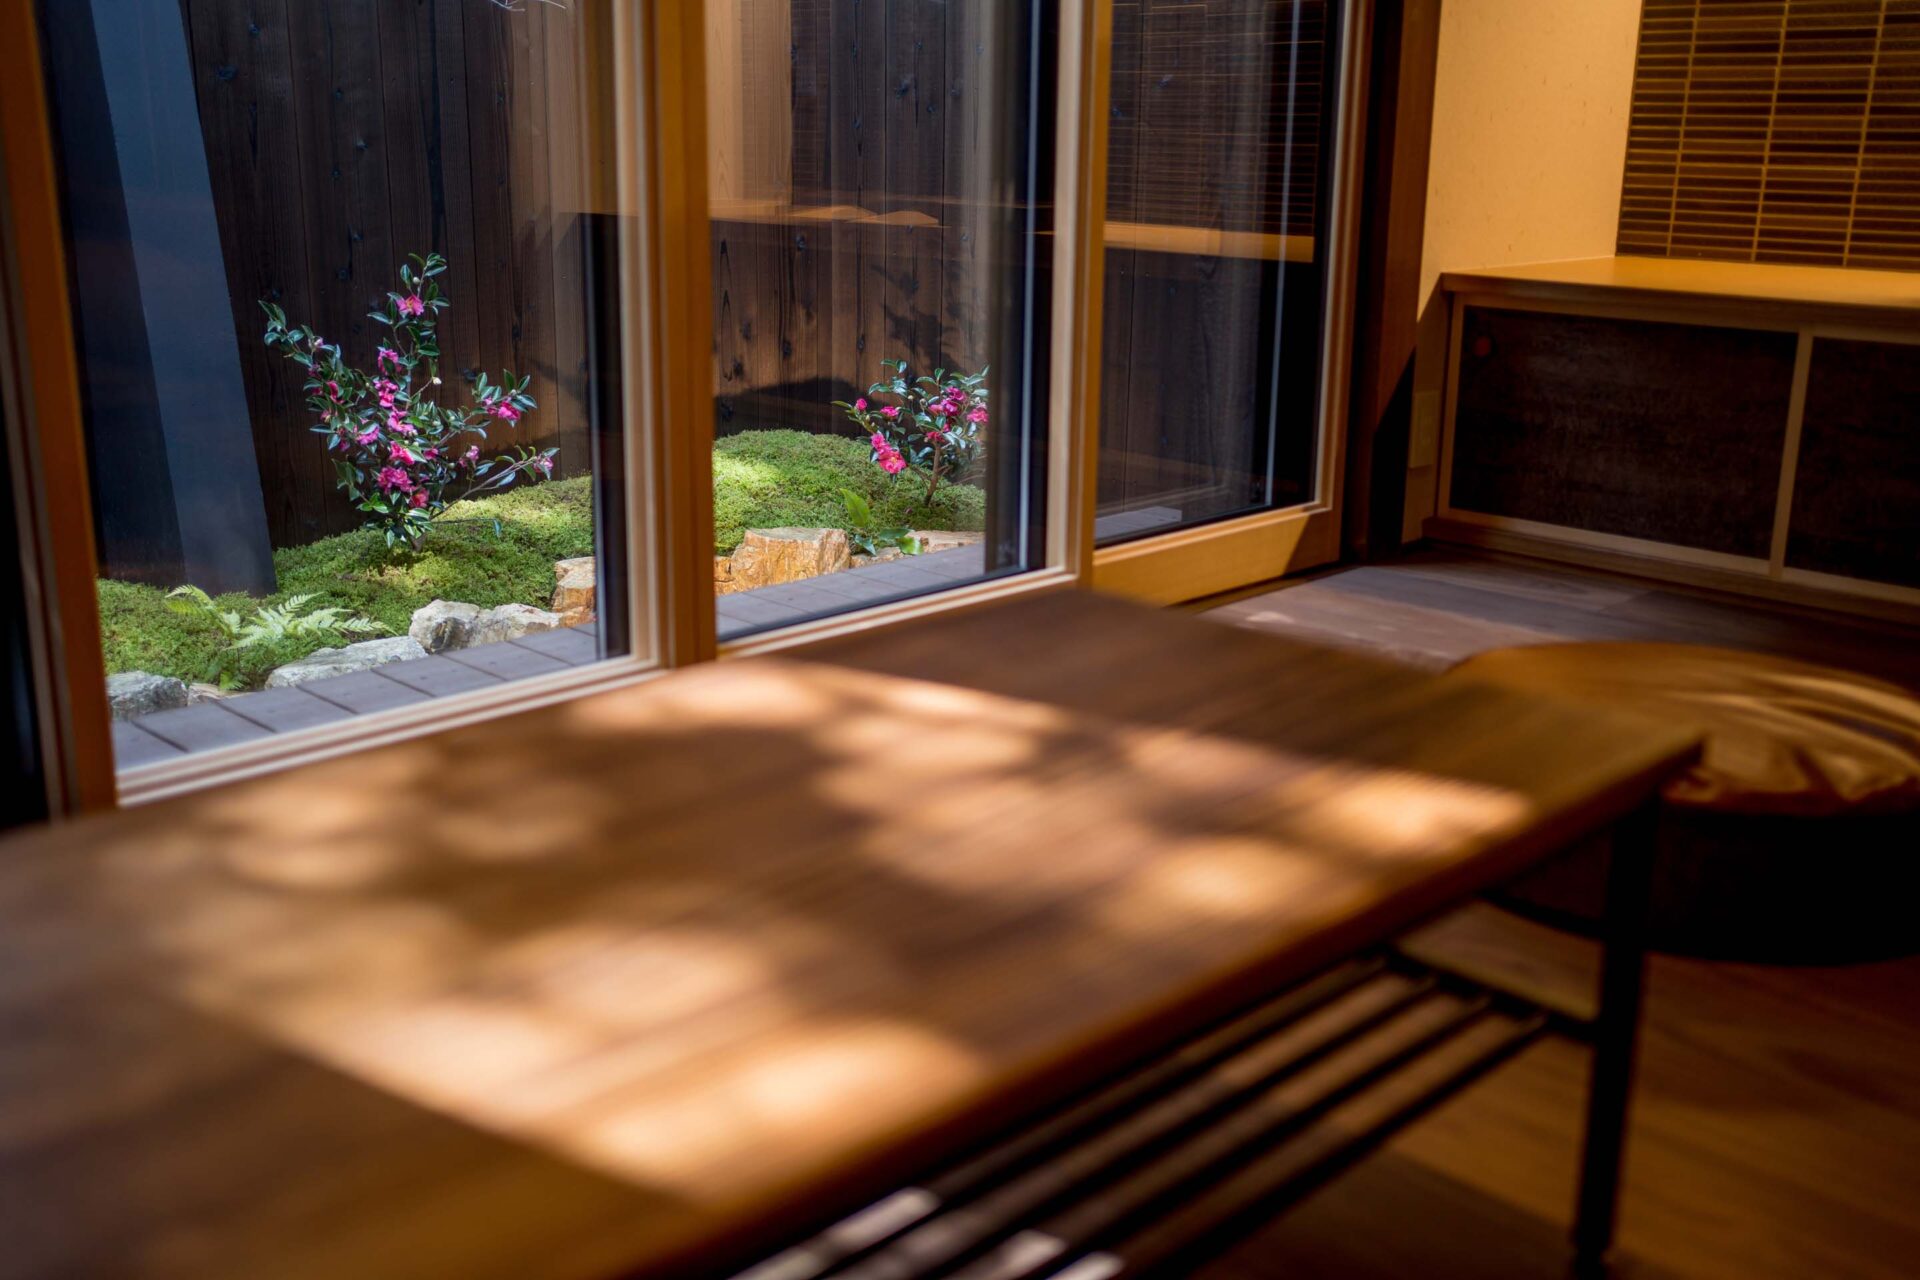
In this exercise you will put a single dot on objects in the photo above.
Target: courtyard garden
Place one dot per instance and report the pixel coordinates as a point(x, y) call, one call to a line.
point(501, 550)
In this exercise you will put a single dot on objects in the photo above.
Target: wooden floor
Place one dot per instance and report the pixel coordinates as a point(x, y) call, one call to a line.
point(1439, 607)
point(1777, 1124)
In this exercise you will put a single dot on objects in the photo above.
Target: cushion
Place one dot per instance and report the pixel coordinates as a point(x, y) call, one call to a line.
point(1782, 737)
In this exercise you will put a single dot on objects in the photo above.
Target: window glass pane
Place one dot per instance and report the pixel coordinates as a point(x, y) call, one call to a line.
point(1219, 145)
point(880, 178)
point(340, 273)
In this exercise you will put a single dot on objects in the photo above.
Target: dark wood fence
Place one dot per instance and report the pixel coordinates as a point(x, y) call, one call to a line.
point(343, 135)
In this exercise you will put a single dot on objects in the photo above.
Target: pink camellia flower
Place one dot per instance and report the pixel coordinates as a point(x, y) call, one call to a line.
point(391, 478)
point(879, 443)
point(545, 464)
point(333, 389)
point(506, 412)
point(388, 355)
point(978, 415)
point(419, 497)
point(893, 464)
point(398, 424)
point(861, 404)
point(433, 453)
point(411, 305)
point(891, 411)
point(401, 455)
point(370, 436)
point(472, 455)
point(385, 390)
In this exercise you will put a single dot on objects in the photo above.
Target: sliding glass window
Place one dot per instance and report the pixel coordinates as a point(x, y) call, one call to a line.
point(345, 291)
point(1220, 143)
point(880, 180)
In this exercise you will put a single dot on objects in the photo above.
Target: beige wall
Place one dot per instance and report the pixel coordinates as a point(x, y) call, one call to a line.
point(1529, 142)
point(1529, 131)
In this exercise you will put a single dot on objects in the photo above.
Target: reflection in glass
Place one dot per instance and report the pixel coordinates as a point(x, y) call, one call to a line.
point(337, 280)
point(1219, 140)
point(880, 186)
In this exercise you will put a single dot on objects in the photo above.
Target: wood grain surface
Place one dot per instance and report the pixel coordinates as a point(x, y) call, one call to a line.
point(647, 982)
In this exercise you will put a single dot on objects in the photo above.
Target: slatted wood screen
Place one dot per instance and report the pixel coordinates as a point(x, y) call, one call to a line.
point(1215, 114)
point(1776, 131)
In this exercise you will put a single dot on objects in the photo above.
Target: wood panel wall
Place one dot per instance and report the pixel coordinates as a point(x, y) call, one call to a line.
point(342, 135)
point(1776, 131)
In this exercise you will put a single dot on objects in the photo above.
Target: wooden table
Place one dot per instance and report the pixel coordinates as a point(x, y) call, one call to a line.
point(653, 981)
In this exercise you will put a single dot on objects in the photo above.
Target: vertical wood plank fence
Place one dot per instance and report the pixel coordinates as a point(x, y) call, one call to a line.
point(343, 135)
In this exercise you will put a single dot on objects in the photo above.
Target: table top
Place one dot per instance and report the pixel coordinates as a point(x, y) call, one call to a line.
point(646, 982)
point(1815, 292)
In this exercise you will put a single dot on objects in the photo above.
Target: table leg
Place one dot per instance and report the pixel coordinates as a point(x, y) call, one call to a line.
point(1615, 1036)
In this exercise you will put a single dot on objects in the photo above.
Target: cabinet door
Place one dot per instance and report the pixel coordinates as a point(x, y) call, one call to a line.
point(1668, 433)
point(1856, 491)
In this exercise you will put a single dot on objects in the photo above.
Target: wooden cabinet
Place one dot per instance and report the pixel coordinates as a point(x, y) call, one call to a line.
point(1662, 432)
point(1856, 488)
point(1768, 441)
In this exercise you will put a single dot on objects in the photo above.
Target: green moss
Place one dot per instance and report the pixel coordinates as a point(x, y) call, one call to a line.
point(500, 550)
point(466, 558)
point(765, 479)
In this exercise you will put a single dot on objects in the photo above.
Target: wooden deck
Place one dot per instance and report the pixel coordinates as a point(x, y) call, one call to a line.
point(247, 717)
point(748, 611)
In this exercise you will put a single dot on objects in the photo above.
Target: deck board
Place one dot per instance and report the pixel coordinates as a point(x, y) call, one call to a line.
point(284, 710)
point(248, 717)
point(508, 661)
point(206, 727)
point(133, 745)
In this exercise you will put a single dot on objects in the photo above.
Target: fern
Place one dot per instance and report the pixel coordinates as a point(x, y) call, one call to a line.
point(292, 623)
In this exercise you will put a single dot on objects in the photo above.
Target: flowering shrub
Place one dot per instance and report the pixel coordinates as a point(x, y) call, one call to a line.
point(401, 455)
point(935, 423)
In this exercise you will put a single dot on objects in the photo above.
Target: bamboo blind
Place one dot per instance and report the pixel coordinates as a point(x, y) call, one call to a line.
point(1215, 113)
point(1776, 131)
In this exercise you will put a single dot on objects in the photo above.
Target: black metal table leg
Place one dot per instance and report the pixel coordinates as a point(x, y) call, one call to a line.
point(1615, 1037)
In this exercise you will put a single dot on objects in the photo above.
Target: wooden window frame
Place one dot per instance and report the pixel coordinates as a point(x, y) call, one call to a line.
point(661, 186)
point(1226, 555)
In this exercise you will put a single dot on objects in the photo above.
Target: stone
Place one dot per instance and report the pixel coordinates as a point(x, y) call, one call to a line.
point(723, 576)
point(364, 656)
point(884, 555)
point(937, 540)
point(575, 590)
point(767, 557)
point(511, 621)
point(139, 693)
point(441, 625)
point(199, 693)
